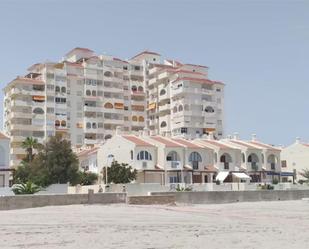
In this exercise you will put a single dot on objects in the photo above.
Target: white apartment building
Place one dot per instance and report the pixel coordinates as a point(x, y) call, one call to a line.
point(84, 97)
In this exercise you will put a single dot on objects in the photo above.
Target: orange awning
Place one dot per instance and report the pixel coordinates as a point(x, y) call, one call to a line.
point(118, 105)
point(152, 106)
point(40, 98)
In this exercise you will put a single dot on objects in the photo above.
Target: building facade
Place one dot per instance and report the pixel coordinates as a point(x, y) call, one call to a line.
point(168, 160)
point(84, 97)
point(294, 160)
point(4, 160)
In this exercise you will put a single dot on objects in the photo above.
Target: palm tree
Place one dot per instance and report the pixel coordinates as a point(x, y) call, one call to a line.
point(29, 144)
point(27, 188)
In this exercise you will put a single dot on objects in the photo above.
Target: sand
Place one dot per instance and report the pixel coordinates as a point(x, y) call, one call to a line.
point(240, 225)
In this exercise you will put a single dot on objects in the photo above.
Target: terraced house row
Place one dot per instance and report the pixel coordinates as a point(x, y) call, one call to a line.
point(85, 96)
point(165, 160)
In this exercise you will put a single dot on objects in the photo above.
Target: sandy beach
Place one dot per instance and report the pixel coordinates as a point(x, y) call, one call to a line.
point(241, 225)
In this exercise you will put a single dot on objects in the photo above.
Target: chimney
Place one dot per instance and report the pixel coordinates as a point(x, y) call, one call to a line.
point(146, 132)
point(253, 137)
point(118, 130)
point(140, 133)
point(236, 136)
point(210, 136)
point(297, 140)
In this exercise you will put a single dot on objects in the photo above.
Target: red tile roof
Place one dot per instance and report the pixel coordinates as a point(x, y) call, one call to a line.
point(266, 146)
point(187, 143)
point(137, 141)
point(195, 65)
point(3, 136)
point(117, 59)
point(145, 52)
point(87, 152)
point(80, 49)
point(218, 144)
point(206, 81)
point(24, 80)
point(166, 142)
point(184, 71)
point(243, 144)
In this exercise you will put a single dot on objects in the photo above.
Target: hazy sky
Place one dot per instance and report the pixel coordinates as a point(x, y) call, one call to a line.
point(260, 49)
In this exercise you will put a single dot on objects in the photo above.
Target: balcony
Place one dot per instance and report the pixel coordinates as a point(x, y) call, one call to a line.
point(173, 165)
point(152, 81)
point(165, 108)
point(252, 166)
point(114, 121)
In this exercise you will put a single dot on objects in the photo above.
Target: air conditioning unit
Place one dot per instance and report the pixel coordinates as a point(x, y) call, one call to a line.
point(144, 165)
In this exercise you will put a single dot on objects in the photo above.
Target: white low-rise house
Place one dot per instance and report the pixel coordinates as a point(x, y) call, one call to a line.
point(135, 151)
point(88, 159)
point(271, 155)
point(171, 158)
point(199, 160)
point(294, 159)
point(4, 160)
point(226, 160)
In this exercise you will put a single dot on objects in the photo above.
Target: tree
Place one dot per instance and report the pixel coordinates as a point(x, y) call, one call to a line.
point(119, 173)
point(87, 178)
point(305, 174)
point(26, 188)
point(55, 163)
point(29, 144)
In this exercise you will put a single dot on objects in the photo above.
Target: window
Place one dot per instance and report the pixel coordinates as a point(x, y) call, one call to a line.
point(88, 92)
point(108, 74)
point(88, 125)
point(137, 68)
point(57, 123)
point(195, 158)
point(134, 88)
point(50, 110)
point(144, 155)
point(60, 100)
point(63, 123)
point(283, 164)
point(180, 108)
point(125, 67)
point(131, 154)
point(57, 89)
point(140, 89)
point(141, 119)
point(108, 136)
point(38, 111)
point(175, 109)
point(209, 109)
point(163, 124)
point(94, 93)
point(162, 92)
point(94, 125)
point(63, 89)
point(183, 130)
point(172, 156)
point(134, 118)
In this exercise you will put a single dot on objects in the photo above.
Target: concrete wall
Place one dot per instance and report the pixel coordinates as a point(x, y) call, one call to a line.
point(152, 200)
point(217, 197)
point(31, 201)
